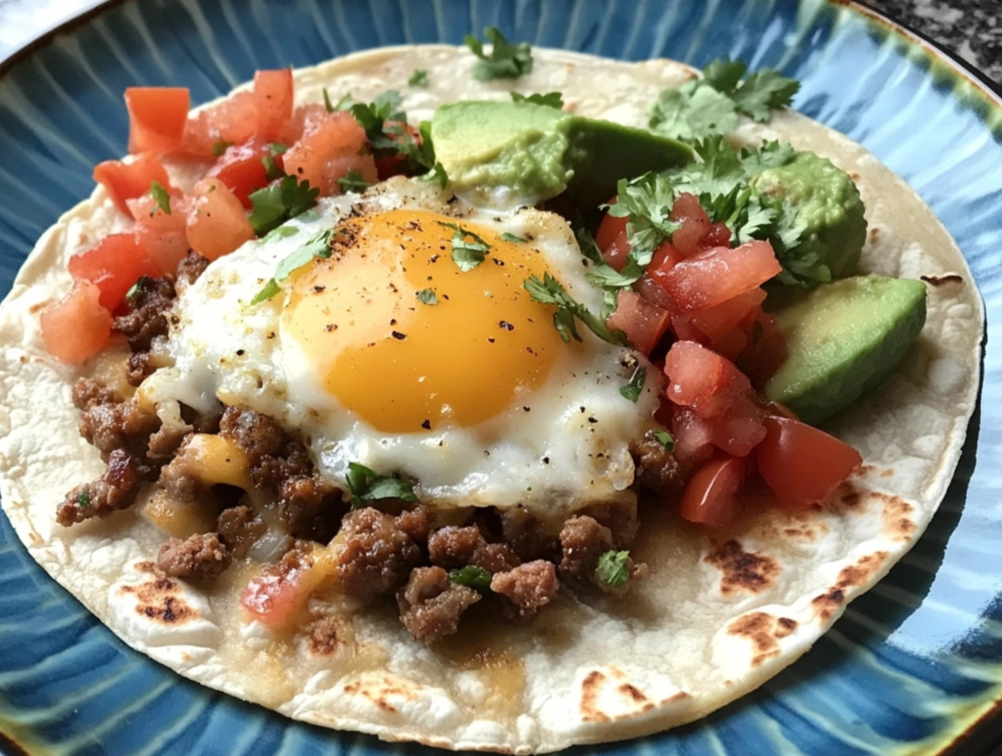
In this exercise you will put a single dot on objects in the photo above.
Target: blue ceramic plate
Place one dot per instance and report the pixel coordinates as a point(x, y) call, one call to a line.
point(912, 665)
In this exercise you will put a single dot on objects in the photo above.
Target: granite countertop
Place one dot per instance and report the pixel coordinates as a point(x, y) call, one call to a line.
point(972, 29)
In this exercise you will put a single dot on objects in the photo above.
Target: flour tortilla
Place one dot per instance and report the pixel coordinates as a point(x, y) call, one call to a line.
point(720, 613)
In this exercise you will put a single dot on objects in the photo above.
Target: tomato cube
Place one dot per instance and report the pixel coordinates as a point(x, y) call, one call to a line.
point(129, 180)
point(113, 265)
point(703, 380)
point(691, 237)
point(336, 135)
point(273, 101)
point(242, 169)
point(157, 118)
point(77, 326)
point(710, 496)
point(232, 121)
point(643, 323)
point(217, 223)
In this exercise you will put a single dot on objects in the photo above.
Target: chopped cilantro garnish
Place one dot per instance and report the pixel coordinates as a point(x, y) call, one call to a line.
point(550, 99)
point(366, 485)
point(162, 197)
point(472, 576)
point(83, 501)
point(468, 249)
point(138, 288)
point(550, 291)
point(220, 147)
point(612, 569)
point(278, 202)
point(437, 174)
point(318, 246)
point(512, 238)
point(712, 104)
point(387, 131)
point(636, 385)
point(666, 439)
point(647, 200)
point(327, 101)
point(506, 61)
point(281, 232)
point(419, 78)
point(427, 296)
point(352, 182)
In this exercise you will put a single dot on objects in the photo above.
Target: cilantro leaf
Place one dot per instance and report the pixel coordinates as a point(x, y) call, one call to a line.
point(138, 288)
point(506, 61)
point(612, 568)
point(512, 238)
point(550, 291)
point(472, 576)
point(437, 174)
point(352, 182)
point(365, 484)
point(83, 500)
point(712, 104)
point(427, 296)
point(419, 78)
point(278, 202)
point(387, 131)
point(633, 389)
point(550, 99)
point(647, 200)
point(162, 197)
point(327, 101)
point(666, 439)
point(220, 147)
point(466, 254)
point(317, 246)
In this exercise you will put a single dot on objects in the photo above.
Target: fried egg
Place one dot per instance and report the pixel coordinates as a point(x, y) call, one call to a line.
point(392, 354)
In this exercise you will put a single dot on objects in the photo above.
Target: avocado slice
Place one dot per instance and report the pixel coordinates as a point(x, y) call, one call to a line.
point(842, 339)
point(539, 151)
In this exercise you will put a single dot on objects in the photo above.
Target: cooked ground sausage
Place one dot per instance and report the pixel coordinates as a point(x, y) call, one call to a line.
point(114, 490)
point(452, 547)
point(238, 528)
point(189, 270)
point(619, 517)
point(145, 312)
point(583, 540)
point(527, 536)
point(89, 393)
point(119, 425)
point(378, 553)
point(657, 469)
point(310, 506)
point(530, 586)
point(431, 604)
point(198, 556)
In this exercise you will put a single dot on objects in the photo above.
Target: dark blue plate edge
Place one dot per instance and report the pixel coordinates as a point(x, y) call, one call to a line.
point(984, 737)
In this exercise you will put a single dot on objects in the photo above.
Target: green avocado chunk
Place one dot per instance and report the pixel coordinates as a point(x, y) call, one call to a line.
point(539, 151)
point(828, 204)
point(842, 339)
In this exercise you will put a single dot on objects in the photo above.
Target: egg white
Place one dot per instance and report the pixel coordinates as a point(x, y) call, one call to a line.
point(554, 451)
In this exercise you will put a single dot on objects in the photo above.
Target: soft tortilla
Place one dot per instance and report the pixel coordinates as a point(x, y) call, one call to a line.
point(720, 614)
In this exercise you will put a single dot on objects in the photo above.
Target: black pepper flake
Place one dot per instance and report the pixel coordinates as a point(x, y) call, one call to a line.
point(393, 288)
point(581, 408)
point(530, 351)
point(240, 353)
point(330, 327)
point(592, 420)
point(271, 334)
point(318, 288)
point(393, 321)
point(398, 336)
point(506, 325)
point(434, 258)
point(546, 460)
point(445, 296)
point(499, 263)
point(426, 425)
point(491, 339)
point(486, 453)
point(527, 409)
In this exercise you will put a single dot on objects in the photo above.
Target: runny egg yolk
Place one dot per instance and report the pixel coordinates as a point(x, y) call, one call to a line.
point(400, 335)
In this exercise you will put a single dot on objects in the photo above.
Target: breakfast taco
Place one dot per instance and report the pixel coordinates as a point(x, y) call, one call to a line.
point(418, 406)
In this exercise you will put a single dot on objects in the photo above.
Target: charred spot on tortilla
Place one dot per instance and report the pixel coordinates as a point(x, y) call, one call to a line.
point(741, 570)
point(944, 280)
point(827, 604)
point(764, 631)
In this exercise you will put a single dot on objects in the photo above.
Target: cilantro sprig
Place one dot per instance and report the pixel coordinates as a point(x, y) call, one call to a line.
point(550, 99)
point(714, 103)
point(468, 249)
point(635, 386)
point(281, 200)
point(364, 484)
point(427, 297)
point(419, 78)
point(386, 130)
point(352, 182)
point(318, 246)
point(550, 291)
point(506, 61)
point(613, 568)
point(161, 196)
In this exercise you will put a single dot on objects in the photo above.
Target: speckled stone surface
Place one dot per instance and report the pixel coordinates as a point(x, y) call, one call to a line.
point(972, 29)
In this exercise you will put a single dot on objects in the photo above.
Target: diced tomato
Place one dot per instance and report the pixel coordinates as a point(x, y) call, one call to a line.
point(703, 380)
point(690, 238)
point(273, 101)
point(719, 236)
point(611, 239)
point(339, 167)
point(217, 223)
point(693, 436)
point(802, 464)
point(128, 180)
point(113, 265)
point(765, 352)
point(710, 495)
point(665, 258)
point(719, 320)
point(241, 168)
point(146, 211)
point(165, 249)
point(717, 274)
point(233, 121)
point(400, 132)
point(157, 118)
point(77, 326)
point(273, 597)
point(305, 119)
point(643, 323)
point(337, 135)
point(740, 430)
